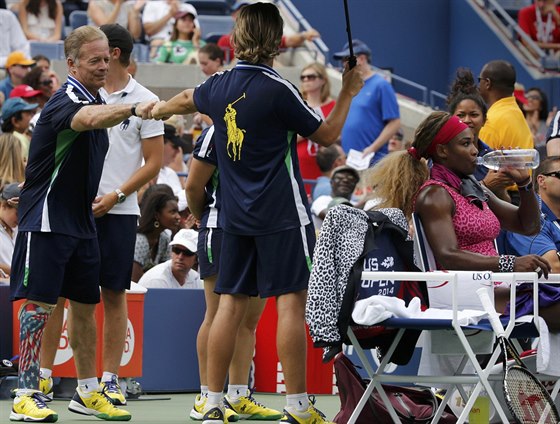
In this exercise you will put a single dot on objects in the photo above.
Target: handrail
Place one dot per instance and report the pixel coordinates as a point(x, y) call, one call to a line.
point(494, 6)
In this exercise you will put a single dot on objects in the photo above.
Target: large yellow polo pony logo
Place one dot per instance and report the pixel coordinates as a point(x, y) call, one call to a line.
point(235, 135)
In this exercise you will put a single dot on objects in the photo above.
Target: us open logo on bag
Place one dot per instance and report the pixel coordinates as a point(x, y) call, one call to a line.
point(379, 287)
point(128, 351)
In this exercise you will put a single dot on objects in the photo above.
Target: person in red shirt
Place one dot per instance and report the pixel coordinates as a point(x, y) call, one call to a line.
point(294, 40)
point(541, 22)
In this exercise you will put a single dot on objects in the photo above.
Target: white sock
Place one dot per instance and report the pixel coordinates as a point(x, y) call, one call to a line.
point(203, 391)
point(88, 385)
point(300, 401)
point(234, 392)
point(108, 376)
point(214, 398)
point(45, 373)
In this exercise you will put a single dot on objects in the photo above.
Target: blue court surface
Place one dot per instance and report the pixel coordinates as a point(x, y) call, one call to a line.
point(152, 409)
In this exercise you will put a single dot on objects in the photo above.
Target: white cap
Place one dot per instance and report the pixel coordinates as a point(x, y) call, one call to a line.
point(186, 238)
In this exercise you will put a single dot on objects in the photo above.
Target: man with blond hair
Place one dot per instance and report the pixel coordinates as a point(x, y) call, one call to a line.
point(56, 252)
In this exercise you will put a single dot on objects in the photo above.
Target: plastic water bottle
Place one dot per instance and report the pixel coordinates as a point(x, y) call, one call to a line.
point(515, 158)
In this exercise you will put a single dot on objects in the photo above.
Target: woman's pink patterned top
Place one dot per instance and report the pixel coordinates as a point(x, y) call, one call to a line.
point(475, 228)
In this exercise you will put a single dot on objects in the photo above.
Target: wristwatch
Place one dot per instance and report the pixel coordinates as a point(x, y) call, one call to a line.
point(133, 109)
point(121, 197)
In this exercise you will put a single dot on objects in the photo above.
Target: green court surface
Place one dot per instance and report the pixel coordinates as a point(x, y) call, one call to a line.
point(152, 409)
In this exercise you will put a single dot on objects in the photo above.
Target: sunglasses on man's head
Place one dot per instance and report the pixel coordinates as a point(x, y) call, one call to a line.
point(184, 252)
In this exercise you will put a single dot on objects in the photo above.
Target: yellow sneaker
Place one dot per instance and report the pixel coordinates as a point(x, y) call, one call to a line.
point(97, 404)
point(311, 416)
point(197, 411)
point(46, 387)
point(249, 409)
point(214, 415)
point(32, 408)
point(113, 391)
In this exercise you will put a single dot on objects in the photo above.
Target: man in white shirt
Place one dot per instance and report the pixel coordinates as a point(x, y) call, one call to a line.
point(173, 146)
point(176, 273)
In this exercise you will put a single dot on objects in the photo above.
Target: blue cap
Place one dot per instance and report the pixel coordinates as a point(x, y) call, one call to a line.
point(359, 48)
point(239, 4)
point(14, 105)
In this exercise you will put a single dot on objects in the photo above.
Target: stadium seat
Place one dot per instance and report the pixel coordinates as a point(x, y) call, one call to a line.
point(78, 18)
point(215, 24)
point(141, 52)
point(53, 50)
point(211, 7)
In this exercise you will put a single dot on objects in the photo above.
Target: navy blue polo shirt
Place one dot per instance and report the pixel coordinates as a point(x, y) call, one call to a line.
point(64, 167)
point(257, 115)
point(205, 152)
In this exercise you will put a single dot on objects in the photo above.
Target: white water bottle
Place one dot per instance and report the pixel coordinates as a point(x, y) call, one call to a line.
point(515, 158)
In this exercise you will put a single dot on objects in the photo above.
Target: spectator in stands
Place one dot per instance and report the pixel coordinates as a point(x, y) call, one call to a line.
point(9, 197)
point(255, 113)
point(13, 38)
point(16, 116)
point(210, 59)
point(173, 146)
point(541, 22)
point(505, 126)
point(374, 115)
point(27, 93)
point(158, 18)
point(41, 81)
point(537, 116)
point(159, 213)
point(343, 183)
point(127, 15)
point(182, 45)
point(41, 20)
point(396, 142)
point(44, 62)
point(547, 242)
point(328, 158)
point(18, 66)
point(146, 191)
point(177, 272)
point(11, 157)
point(465, 102)
point(292, 40)
point(316, 90)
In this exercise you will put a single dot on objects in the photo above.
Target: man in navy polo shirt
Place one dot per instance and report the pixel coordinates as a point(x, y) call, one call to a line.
point(268, 236)
point(56, 252)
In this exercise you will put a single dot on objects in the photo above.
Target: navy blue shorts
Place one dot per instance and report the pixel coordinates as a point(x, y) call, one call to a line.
point(267, 265)
point(48, 265)
point(208, 249)
point(116, 235)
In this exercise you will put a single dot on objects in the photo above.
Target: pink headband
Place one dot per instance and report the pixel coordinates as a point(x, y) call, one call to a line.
point(446, 133)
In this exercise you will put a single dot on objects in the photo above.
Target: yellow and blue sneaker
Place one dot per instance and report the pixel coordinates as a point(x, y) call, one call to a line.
point(249, 409)
point(113, 391)
point(97, 404)
point(215, 415)
point(46, 388)
point(31, 407)
point(311, 416)
point(197, 411)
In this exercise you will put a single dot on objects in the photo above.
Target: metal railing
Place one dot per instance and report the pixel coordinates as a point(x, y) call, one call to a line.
point(542, 59)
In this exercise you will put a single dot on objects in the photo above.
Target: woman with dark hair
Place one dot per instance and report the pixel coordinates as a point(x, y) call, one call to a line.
point(159, 213)
point(183, 43)
point(536, 114)
point(41, 20)
point(42, 81)
point(465, 102)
